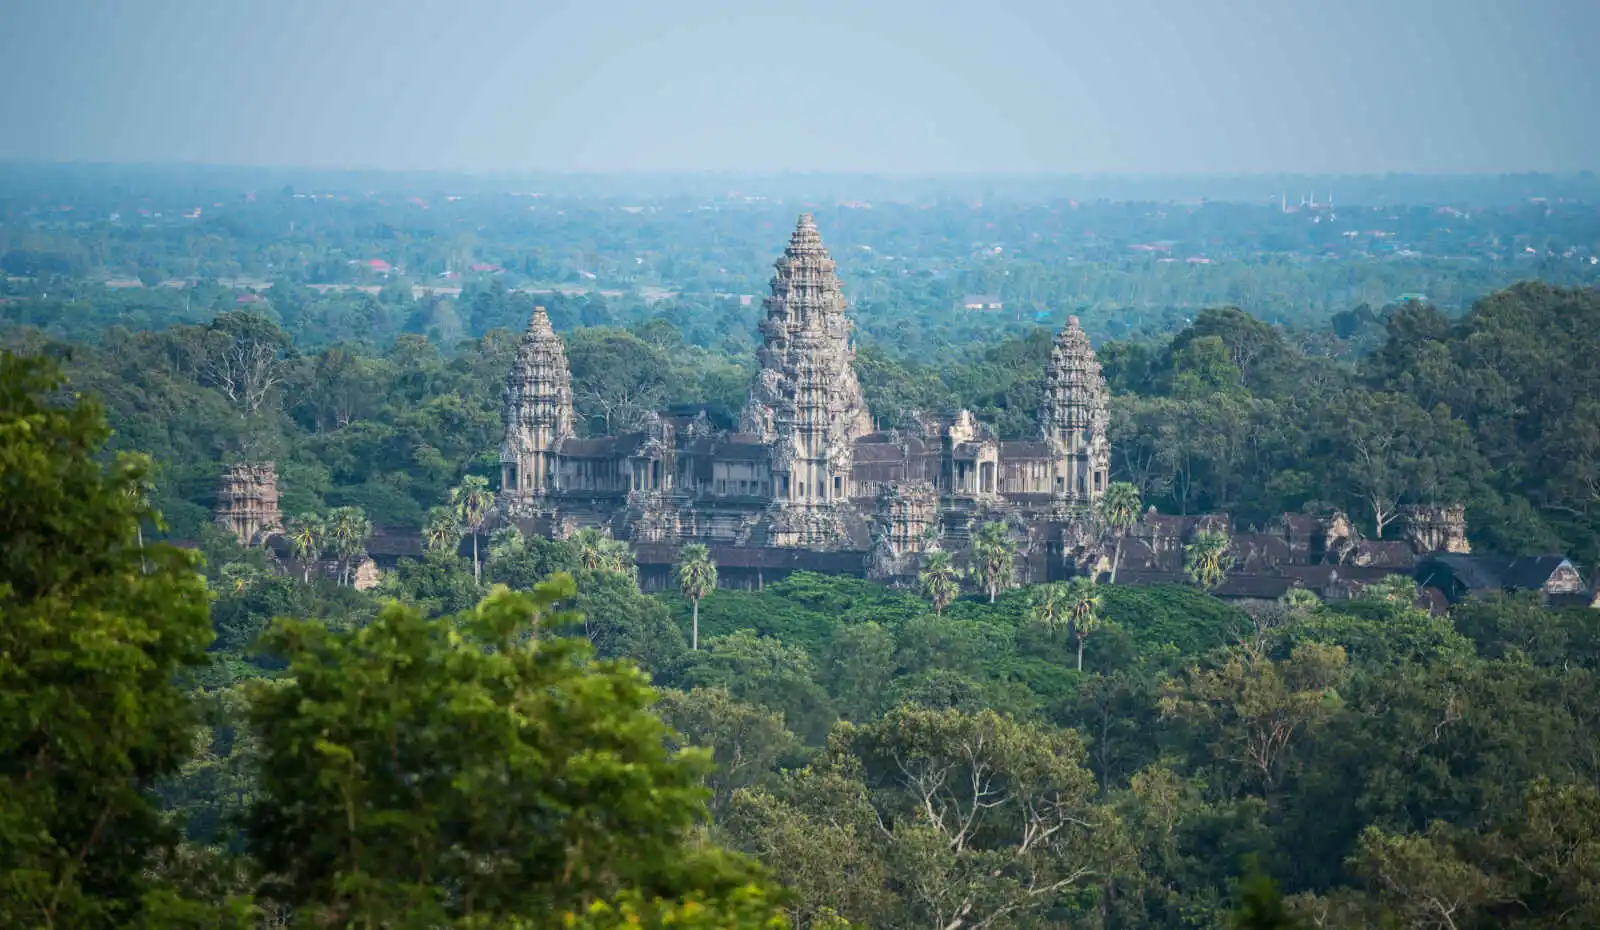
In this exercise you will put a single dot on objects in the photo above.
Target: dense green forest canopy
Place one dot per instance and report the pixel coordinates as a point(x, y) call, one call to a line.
point(515, 735)
point(412, 758)
point(1495, 409)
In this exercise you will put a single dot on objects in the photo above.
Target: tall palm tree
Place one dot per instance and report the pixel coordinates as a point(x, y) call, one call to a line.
point(1083, 606)
point(307, 534)
point(1119, 510)
point(472, 502)
point(697, 576)
point(618, 557)
point(591, 544)
point(443, 531)
point(1205, 558)
point(597, 551)
point(941, 580)
point(1050, 608)
point(348, 529)
point(995, 556)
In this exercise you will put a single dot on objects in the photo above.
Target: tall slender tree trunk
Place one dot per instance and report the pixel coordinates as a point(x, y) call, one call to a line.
point(694, 628)
point(1080, 652)
point(139, 530)
point(477, 574)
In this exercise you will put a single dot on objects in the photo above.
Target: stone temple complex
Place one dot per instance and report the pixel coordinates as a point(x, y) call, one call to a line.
point(806, 481)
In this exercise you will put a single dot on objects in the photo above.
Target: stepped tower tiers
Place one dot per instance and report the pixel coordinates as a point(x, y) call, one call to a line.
point(1074, 419)
point(247, 502)
point(805, 402)
point(537, 415)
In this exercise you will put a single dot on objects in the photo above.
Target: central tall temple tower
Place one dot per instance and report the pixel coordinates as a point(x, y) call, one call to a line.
point(805, 402)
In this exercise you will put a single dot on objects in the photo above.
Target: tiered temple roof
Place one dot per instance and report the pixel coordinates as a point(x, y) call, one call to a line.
point(247, 501)
point(538, 408)
point(806, 383)
point(1075, 414)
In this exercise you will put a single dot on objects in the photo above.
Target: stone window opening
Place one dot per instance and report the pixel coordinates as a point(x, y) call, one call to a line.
point(838, 486)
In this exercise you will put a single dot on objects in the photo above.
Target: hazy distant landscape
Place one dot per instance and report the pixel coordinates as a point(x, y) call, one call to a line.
point(832, 466)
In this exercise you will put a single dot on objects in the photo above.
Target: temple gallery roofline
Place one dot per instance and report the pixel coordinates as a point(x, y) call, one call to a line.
point(806, 468)
point(808, 482)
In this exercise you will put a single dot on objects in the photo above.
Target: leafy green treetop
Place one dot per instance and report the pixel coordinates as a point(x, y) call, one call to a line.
point(94, 638)
point(458, 771)
point(507, 542)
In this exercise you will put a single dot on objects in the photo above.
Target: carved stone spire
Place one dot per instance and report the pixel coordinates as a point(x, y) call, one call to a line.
point(1074, 417)
point(247, 502)
point(805, 401)
point(537, 412)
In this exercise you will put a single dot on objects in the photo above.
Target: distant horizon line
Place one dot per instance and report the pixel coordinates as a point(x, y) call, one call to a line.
point(1245, 175)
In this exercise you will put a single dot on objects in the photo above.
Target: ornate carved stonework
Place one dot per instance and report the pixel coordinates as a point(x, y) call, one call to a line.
point(537, 414)
point(907, 525)
point(1437, 528)
point(247, 502)
point(805, 401)
point(1074, 418)
point(652, 517)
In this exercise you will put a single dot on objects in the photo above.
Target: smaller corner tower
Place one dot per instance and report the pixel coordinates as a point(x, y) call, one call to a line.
point(537, 415)
point(1074, 419)
point(247, 502)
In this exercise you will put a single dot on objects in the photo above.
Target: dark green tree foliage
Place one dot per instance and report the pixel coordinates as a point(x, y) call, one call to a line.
point(421, 771)
point(95, 634)
point(959, 818)
point(1382, 765)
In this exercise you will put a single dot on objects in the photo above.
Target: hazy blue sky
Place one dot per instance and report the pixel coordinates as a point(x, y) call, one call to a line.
point(902, 86)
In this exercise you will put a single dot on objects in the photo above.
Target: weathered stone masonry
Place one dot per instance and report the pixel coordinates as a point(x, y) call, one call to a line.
point(806, 470)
